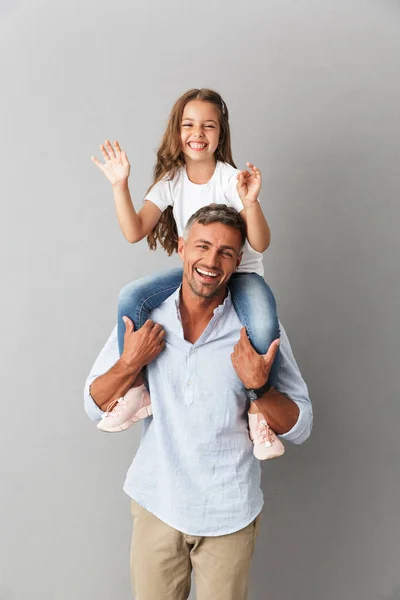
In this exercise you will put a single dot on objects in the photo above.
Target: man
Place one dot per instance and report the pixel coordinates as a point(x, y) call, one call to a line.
point(194, 482)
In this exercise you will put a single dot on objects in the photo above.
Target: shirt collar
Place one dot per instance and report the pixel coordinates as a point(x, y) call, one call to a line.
point(218, 311)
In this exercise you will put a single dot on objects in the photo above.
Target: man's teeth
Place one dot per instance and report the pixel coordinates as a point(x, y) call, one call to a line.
point(197, 145)
point(207, 273)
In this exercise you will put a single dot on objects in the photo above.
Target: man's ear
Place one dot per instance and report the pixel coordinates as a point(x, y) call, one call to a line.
point(181, 247)
point(239, 260)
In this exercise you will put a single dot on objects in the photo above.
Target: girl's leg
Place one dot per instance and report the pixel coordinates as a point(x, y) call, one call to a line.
point(138, 298)
point(255, 305)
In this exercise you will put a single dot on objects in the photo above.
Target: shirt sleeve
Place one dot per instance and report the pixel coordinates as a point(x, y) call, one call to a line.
point(160, 195)
point(291, 384)
point(105, 360)
point(231, 192)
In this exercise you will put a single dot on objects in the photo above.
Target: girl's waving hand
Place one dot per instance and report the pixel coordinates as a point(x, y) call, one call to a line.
point(249, 184)
point(248, 187)
point(116, 165)
point(135, 226)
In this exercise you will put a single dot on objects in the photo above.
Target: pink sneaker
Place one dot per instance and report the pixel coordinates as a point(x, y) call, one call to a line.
point(123, 413)
point(266, 443)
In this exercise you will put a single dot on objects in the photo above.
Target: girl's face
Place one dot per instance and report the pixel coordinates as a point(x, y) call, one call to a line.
point(200, 130)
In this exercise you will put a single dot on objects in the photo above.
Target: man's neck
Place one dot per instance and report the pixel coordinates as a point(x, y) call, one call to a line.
point(196, 312)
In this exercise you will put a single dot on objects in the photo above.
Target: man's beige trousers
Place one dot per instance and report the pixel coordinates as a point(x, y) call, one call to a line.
point(162, 559)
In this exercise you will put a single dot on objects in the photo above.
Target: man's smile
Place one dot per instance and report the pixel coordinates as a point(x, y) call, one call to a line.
point(205, 274)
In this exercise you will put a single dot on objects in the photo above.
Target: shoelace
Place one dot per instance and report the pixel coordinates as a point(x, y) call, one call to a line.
point(115, 407)
point(264, 433)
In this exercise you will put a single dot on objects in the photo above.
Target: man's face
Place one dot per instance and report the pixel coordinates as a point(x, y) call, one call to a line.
point(210, 255)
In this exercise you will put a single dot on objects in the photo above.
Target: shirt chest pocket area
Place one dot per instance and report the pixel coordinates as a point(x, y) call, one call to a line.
point(218, 389)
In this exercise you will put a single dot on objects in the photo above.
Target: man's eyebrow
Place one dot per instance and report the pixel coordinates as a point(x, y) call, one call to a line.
point(203, 242)
point(223, 247)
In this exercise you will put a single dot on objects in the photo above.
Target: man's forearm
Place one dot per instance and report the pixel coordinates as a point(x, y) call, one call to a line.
point(114, 384)
point(280, 412)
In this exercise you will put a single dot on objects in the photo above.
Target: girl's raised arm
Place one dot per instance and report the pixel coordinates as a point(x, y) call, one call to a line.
point(248, 187)
point(135, 226)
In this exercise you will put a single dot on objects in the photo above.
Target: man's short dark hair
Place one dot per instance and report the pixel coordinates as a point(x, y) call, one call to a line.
point(218, 213)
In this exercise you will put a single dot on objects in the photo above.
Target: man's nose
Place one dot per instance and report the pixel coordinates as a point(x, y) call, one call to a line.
point(213, 259)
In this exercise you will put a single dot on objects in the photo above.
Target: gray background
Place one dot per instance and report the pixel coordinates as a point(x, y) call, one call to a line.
point(313, 89)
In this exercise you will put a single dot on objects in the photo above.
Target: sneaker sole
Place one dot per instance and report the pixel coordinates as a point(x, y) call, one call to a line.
point(266, 456)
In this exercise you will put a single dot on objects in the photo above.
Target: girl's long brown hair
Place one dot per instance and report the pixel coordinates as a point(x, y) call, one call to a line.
point(170, 158)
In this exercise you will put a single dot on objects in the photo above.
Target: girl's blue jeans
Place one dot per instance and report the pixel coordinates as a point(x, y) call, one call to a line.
point(252, 298)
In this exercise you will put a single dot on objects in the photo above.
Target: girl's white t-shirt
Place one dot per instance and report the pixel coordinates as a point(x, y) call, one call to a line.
point(187, 197)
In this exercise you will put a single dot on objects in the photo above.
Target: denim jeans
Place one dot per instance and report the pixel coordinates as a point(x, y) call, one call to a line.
point(252, 298)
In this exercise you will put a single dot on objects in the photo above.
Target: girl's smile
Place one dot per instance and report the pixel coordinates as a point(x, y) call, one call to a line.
point(199, 146)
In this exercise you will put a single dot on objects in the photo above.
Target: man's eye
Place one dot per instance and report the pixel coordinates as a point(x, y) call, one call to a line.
point(202, 246)
point(227, 254)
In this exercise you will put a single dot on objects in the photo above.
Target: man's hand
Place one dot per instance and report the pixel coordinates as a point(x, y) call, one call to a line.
point(142, 346)
point(252, 368)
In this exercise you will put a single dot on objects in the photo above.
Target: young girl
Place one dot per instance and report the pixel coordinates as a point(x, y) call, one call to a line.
point(194, 168)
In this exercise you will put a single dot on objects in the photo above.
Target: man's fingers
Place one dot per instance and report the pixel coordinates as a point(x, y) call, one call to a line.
point(233, 359)
point(244, 338)
point(272, 350)
point(159, 335)
point(153, 329)
point(157, 346)
point(242, 344)
point(156, 330)
point(149, 324)
point(129, 326)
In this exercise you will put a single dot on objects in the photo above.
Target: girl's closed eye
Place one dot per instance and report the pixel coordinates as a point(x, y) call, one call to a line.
point(205, 126)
